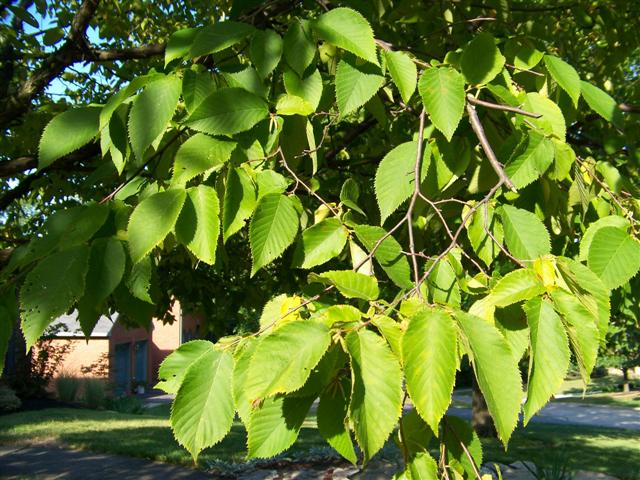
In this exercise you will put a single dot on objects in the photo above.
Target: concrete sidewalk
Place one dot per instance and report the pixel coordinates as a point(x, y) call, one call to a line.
point(51, 462)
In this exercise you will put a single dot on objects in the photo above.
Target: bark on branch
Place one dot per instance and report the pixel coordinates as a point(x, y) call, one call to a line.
point(74, 50)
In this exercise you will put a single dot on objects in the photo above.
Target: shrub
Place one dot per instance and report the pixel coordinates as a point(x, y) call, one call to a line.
point(94, 392)
point(131, 405)
point(9, 401)
point(67, 387)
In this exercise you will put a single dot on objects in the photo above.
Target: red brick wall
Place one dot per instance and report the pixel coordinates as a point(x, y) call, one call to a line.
point(82, 354)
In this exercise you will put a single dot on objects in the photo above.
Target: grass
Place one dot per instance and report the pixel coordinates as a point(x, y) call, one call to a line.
point(627, 400)
point(611, 451)
point(145, 436)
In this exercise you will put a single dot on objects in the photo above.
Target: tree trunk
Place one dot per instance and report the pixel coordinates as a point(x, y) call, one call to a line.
point(625, 382)
point(481, 421)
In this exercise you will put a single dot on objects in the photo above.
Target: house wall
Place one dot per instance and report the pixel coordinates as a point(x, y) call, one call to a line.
point(161, 338)
point(78, 357)
point(84, 358)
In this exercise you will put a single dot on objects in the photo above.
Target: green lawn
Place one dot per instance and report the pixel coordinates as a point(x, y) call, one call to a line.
point(616, 452)
point(595, 393)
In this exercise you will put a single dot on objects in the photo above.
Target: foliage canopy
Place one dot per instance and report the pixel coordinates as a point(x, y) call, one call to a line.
point(407, 183)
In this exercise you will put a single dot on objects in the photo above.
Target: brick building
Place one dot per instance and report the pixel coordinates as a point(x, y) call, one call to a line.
point(126, 357)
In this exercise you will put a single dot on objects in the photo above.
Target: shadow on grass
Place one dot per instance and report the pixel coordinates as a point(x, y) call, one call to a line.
point(612, 451)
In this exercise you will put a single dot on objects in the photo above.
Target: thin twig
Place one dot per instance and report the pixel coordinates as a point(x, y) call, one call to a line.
point(505, 108)
point(466, 451)
point(525, 70)
point(157, 154)
point(493, 160)
point(456, 235)
point(414, 198)
point(301, 182)
point(494, 239)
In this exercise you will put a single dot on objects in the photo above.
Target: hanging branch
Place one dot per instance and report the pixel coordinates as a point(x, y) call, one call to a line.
point(493, 160)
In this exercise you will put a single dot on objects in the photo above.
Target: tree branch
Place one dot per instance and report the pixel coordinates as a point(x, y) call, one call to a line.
point(75, 49)
point(16, 166)
point(479, 131)
point(505, 108)
point(147, 51)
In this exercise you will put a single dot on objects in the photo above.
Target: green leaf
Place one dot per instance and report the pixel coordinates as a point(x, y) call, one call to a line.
point(614, 256)
point(179, 44)
point(247, 79)
point(269, 181)
point(200, 154)
point(349, 195)
point(275, 425)
point(266, 51)
point(602, 103)
point(525, 235)
point(285, 357)
point(196, 86)
point(66, 133)
point(388, 254)
point(198, 225)
point(273, 228)
point(429, 356)
point(531, 163)
point(582, 329)
point(482, 220)
point(442, 92)
point(609, 221)
point(394, 182)
point(152, 220)
point(242, 356)
point(299, 46)
point(50, 290)
point(202, 413)
point(391, 331)
point(352, 284)
point(454, 432)
point(552, 121)
point(107, 262)
point(443, 286)
point(496, 371)
point(309, 87)
point(376, 394)
point(355, 85)
point(174, 367)
point(549, 355)
point(422, 467)
point(332, 419)
point(565, 75)
point(219, 36)
point(239, 201)
point(514, 287)
point(139, 281)
point(8, 315)
point(228, 111)
point(481, 60)
point(588, 289)
point(347, 29)
point(320, 243)
point(151, 112)
point(292, 105)
point(276, 312)
point(404, 73)
point(416, 434)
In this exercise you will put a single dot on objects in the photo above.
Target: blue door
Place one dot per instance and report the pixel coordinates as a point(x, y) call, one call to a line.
point(140, 372)
point(123, 367)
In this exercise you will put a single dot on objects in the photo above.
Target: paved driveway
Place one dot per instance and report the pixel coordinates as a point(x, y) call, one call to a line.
point(565, 413)
point(51, 462)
